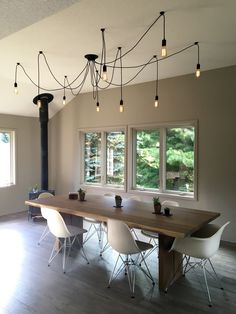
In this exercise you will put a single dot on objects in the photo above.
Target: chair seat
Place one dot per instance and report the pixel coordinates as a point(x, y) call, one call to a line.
point(150, 234)
point(75, 230)
point(143, 246)
point(92, 220)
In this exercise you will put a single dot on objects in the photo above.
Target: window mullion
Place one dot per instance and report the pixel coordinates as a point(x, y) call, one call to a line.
point(162, 159)
point(82, 157)
point(134, 161)
point(103, 158)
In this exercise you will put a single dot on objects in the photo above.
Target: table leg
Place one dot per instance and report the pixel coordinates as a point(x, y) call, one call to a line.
point(170, 263)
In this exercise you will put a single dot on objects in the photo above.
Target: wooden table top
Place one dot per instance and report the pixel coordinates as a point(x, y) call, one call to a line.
point(183, 222)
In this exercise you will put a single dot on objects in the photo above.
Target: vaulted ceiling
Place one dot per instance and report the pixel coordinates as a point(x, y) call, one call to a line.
point(66, 30)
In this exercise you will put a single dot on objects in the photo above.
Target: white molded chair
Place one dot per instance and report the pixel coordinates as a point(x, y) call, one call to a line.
point(122, 240)
point(65, 235)
point(106, 246)
point(97, 227)
point(46, 230)
point(94, 228)
point(104, 228)
point(135, 198)
point(202, 245)
point(153, 236)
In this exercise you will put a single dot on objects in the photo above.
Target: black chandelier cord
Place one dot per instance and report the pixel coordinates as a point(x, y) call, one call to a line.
point(97, 87)
point(51, 72)
point(64, 91)
point(136, 44)
point(103, 60)
point(92, 74)
point(40, 52)
point(93, 66)
point(68, 86)
point(15, 83)
point(161, 59)
point(157, 76)
point(72, 82)
point(80, 86)
point(121, 76)
point(109, 83)
point(164, 24)
point(93, 79)
point(130, 80)
point(198, 52)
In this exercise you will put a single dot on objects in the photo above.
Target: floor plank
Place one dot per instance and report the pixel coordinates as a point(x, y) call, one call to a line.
point(28, 285)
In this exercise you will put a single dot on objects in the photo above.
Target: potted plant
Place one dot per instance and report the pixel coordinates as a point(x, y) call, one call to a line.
point(35, 188)
point(81, 194)
point(157, 205)
point(118, 200)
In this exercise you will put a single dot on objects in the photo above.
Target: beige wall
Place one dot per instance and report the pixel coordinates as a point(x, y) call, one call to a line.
point(27, 162)
point(210, 100)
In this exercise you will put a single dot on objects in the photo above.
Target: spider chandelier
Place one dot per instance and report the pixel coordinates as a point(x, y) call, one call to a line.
point(102, 71)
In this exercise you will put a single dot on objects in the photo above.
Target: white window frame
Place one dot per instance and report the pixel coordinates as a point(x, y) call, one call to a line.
point(12, 134)
point(162, 171)
point(103, 132)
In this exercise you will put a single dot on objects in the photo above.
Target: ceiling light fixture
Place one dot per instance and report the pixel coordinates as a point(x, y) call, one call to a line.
point(156, 103)
point(163, 43)
point(64, 96)
point(99, 69)
point(198, 71)
point(97, 108)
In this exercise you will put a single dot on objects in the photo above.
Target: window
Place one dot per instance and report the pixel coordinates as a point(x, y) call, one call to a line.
point(104, 157)
point(147, 163)
point(161, 158)
point(7, 158)
point(92, 157)
point(180, 159)
point(164, 159)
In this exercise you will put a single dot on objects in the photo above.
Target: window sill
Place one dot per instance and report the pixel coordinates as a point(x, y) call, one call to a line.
point(175, 195)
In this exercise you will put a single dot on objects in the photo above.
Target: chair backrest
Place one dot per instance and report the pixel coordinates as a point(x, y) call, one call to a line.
point(56, 223)
point(120, 237)
point(44, 195)
point(135, 197)
point(170, 203)
point(202, 246)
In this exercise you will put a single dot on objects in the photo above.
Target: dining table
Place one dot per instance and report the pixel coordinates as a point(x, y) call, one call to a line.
point(180, 223)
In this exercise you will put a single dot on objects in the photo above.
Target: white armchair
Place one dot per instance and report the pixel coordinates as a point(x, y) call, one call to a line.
point(130, 251)
point(202, 245)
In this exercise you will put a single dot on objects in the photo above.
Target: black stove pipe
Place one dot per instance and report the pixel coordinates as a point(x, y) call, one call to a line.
point(42, 101)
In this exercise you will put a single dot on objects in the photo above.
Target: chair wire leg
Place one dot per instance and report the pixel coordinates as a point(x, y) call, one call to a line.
point(106, 246)
point(129, 266)
point(148, 253)
point(176, 271)
point(88, 235)
point(186, 265)
point(135, 234)
point(207, 288)
point(147, 271)
point(82, 250)
point(54, 252)
point(216, 276)
point(64, 256)
point(44, 234)
point(113, 271)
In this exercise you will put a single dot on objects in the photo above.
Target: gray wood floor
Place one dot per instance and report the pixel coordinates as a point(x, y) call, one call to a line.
point(28, 285)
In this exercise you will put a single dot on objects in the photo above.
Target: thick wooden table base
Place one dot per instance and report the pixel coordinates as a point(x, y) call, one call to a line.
point(170, 268)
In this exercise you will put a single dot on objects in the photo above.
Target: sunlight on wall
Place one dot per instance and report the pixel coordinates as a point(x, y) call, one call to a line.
point(12, 255)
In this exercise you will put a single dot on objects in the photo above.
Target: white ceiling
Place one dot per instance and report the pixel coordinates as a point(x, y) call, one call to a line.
point(67, 30)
